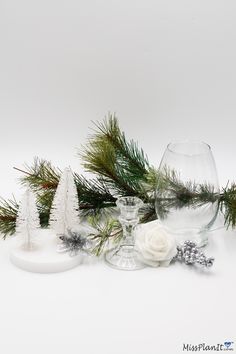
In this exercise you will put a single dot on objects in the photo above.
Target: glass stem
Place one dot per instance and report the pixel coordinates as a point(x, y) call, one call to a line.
point(128, 233)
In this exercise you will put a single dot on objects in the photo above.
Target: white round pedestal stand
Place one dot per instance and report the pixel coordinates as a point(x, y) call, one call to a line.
point(44, 258)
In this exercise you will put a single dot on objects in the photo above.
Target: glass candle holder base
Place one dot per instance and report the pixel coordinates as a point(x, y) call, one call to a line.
point(124, 257)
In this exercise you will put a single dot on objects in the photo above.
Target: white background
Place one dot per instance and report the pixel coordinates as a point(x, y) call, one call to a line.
point(167, 68)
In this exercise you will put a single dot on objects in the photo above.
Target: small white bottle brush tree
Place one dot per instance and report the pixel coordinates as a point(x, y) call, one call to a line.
point(27, 221)
point(64, 214)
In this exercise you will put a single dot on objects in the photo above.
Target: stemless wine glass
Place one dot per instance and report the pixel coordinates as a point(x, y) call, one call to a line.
point(187, 168)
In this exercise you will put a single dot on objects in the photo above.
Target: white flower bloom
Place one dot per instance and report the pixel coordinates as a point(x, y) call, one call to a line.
point(155, 245)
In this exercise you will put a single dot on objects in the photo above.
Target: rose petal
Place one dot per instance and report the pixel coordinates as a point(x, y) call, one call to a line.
point(155, 245)
point(165, 263)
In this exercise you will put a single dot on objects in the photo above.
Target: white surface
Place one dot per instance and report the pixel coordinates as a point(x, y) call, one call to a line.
point(95, 309)
point(44, 258)
point(167, 68)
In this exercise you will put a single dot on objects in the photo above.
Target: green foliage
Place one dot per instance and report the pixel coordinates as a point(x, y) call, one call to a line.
point(104, 232)
point(8, 214)
point(121, 169)
point(44, 178)
point(94, 196)
point(150, 184)
point(172, 193)
point(41, 176)
point(228, 205)
point(121, 164)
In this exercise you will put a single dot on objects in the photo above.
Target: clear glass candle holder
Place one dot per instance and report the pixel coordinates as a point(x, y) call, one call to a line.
point(124, 256)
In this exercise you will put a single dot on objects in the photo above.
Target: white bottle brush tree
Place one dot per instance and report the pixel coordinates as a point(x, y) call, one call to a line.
point(27, 221)
point(64, 214)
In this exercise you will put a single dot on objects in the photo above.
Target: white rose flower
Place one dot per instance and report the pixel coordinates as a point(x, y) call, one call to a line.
point(155, 245)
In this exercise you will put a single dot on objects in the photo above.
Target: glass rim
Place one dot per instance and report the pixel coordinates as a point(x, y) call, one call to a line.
point(122, 202)
point(197, 142)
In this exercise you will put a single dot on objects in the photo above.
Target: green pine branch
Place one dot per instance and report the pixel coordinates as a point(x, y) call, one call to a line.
point(121, 169)
point(40, 176)
point(8, 213)
point(43, 178)
point(128, 154)
point(121, 164)
point(172, 193)
point(94, 196)
point(105, 232)
point(228, 205)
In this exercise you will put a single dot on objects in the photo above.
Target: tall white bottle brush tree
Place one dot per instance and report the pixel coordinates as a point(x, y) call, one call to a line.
point(64, 214)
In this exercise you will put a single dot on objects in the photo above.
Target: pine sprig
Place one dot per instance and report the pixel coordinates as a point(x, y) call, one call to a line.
point(190, 192)
point(8, 215)
point(228, 205)
point(106, 231)
point(121, 164)
point(121, 168)
point(109, 230)
point(172, 193)
point(44, 203)
point(128, 153)
point(94, 196)
point(43, 178)
point(100, 158)
point(41, 175)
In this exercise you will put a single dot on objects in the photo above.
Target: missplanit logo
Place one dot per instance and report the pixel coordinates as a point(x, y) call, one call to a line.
point(204, 347)
point(228, 345)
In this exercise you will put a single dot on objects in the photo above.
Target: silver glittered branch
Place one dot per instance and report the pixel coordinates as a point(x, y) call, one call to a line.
point(74, 243)
point(190, 254)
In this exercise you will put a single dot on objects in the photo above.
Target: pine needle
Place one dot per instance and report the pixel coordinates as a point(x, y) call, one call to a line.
point(8, 215)
point(121, 168)
point(228, 205)
point(121, 164)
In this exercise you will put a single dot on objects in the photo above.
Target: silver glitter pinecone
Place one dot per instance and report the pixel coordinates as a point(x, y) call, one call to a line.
point(189, 253)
